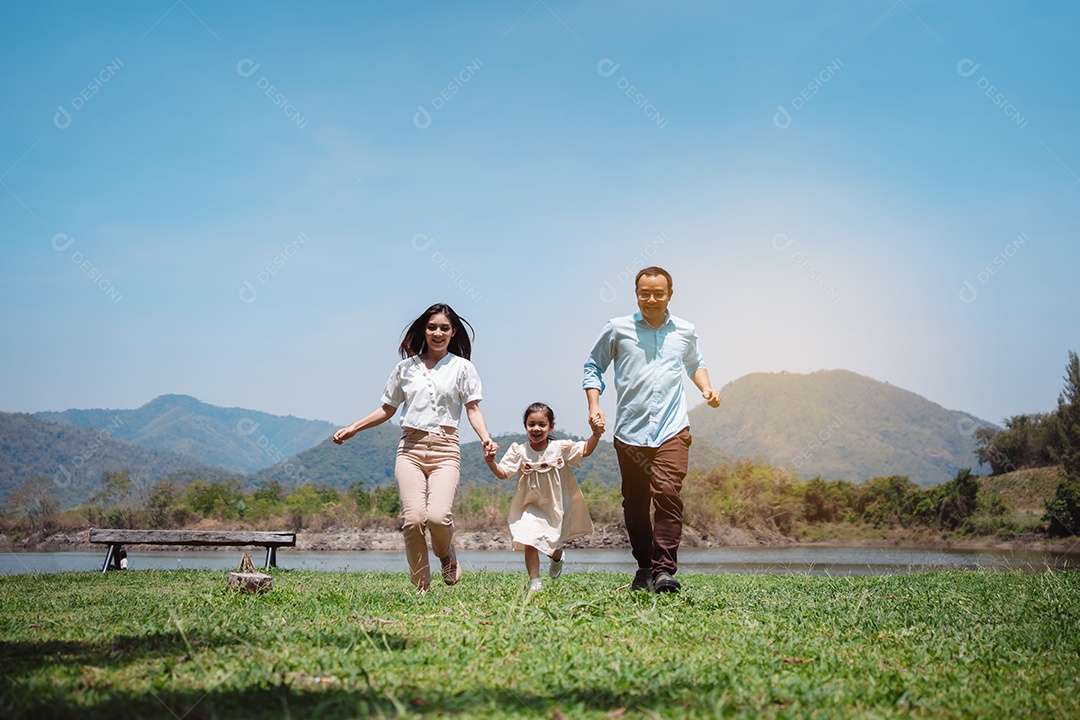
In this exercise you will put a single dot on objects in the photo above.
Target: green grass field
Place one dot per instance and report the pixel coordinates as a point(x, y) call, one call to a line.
point(177, 644)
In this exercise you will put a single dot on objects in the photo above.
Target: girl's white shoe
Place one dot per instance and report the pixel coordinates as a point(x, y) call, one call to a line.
point(555, 569)
point(535, 585)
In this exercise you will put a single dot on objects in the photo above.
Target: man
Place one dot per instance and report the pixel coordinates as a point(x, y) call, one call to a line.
point(651, 349)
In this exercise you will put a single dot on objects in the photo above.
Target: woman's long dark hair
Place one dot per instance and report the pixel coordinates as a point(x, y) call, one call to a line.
point(414, 342)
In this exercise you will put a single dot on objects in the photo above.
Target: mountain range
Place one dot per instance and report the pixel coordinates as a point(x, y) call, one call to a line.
point(369, 457)
point(231, 438)
point(75, 459)
point(835, 424)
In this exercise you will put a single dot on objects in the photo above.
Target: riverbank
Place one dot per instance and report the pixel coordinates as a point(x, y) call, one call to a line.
point(387, 539)
point(382, 539)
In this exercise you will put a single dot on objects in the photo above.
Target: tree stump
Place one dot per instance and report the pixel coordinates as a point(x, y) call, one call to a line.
point(253, 582)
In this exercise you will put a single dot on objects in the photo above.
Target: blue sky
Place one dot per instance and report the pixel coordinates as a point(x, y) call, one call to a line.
point(248, 203)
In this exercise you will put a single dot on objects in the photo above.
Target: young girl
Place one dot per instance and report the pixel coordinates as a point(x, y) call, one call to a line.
point(548, 509)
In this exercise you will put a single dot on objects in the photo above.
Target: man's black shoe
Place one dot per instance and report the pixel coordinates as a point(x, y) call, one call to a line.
point(642, 580)
point(665, 583)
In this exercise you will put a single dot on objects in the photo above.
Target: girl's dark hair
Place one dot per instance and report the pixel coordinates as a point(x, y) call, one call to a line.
point(539, 407)
point(414, 343)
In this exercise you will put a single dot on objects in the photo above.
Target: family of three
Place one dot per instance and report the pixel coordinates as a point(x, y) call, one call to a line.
point(436, 380)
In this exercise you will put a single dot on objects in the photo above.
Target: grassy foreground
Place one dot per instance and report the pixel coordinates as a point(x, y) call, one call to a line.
point(177, 644)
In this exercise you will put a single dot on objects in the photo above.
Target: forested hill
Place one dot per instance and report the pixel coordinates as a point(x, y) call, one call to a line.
point(839, 425)
point(368, 458)
point(233, 438)
point(75, 459)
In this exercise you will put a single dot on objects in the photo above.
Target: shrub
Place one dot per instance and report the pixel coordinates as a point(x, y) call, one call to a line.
point(480, 506)
point(885, 501)
point(1006, 528)
point(745, 494)
point(1063, 512)
point(305, 502)
point(378, 503)
point(604, 503)
point(825, 501)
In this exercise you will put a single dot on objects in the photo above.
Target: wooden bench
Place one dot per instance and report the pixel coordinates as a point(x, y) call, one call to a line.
point(116, 539)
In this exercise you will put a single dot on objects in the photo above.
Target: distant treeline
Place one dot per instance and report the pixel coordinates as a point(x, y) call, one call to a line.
point(743, 494)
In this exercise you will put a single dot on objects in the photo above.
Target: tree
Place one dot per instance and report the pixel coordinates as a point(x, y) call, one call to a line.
point(162, 505)
point(304, 502)
point(112, 500)
point(35, 501)
point(1068, 425)
point(1028, 441)
point(271, 491)
point(1063, 512)
point(266, 501)
point(115, 489)
point(223, 500)
point(960, 499)
point(379, 502)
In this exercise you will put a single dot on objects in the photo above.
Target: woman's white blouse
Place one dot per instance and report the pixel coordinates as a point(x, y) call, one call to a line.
point(432, 398)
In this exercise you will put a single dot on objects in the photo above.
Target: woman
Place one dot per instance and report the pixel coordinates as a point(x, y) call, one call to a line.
point(434, 380)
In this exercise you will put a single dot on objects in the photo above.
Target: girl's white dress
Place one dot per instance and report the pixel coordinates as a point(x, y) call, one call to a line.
point(548, 509)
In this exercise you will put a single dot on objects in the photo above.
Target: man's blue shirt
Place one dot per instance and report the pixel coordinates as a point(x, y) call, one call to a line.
point(649, 363)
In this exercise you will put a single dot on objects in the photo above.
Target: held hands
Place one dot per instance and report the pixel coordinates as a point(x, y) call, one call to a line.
point(597, 423)
point(490, 449)
point(712, 397)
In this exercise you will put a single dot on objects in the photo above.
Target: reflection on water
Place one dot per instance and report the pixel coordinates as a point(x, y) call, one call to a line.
point(811, 560)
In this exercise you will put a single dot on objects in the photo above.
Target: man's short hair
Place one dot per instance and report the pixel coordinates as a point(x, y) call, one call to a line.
point(653, 271)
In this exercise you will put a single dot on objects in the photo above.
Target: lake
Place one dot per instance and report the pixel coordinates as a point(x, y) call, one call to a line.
point(810, 560)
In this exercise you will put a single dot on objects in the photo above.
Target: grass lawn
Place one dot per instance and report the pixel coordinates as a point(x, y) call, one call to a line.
point(177, 644)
